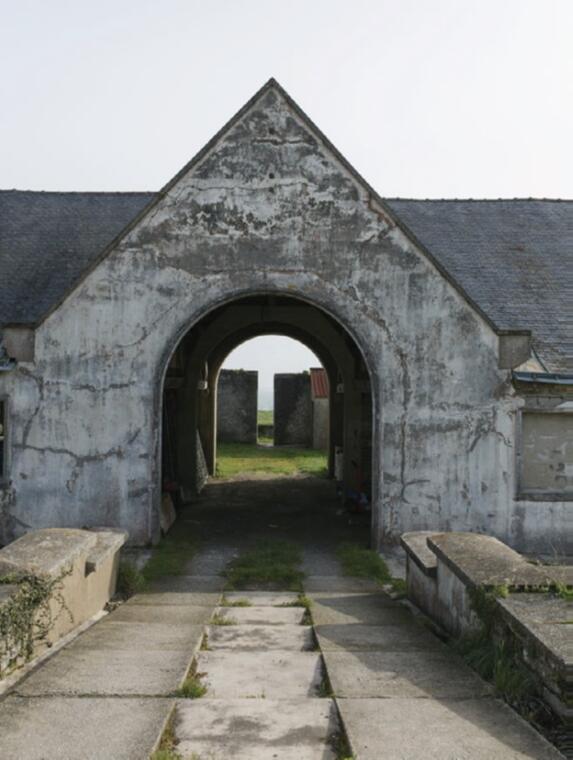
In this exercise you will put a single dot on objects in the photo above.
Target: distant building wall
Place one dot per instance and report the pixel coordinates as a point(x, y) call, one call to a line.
point(237, 406)
point(293, 410)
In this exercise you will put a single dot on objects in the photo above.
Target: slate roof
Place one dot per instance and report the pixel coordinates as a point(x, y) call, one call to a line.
point(47, 240)
point(513, 258)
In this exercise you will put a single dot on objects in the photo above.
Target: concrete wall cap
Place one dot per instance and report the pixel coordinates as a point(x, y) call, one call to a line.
point(480, 560)
point(109, 541)
point(544, 619)
point(415, 544)
point(48, 551)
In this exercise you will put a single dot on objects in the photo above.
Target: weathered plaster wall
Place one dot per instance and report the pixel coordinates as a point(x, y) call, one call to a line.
point(237, 406)
point(267, 209)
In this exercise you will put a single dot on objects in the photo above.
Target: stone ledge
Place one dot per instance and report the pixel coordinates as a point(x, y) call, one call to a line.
point(416, 547)
point(49, 551)
point(108, 542)
point(483, 561)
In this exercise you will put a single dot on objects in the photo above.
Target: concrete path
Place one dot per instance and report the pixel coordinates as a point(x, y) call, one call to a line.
point(264, 682)
point(404, 695)
point(108, 694)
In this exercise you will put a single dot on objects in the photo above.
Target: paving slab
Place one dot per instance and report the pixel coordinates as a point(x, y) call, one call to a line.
point(100, 672)
point(172, 614)
point(80, 729)
point(370, 609)
point(338, 583)
point(256, 729)
point(260, 637)
point(428, 729)
point(402, 674)
point(111, 634)
point(176, 598)
point(193, 583)
point(394, 638)
point(272, 675)
point(262, 598)
point(262, 615)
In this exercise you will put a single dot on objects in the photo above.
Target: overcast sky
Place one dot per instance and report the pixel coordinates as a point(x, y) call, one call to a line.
point(427, 98)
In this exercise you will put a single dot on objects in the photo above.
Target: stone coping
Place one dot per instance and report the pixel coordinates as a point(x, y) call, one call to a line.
point(109, 541)
point(545, 619)
point(483, 561)
point(51, 551)
point(415, 545)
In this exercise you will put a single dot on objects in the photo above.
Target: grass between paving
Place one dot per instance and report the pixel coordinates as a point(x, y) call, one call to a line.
point(236, 458)
point(270, 564)
point(358, 562)
point(173, 552)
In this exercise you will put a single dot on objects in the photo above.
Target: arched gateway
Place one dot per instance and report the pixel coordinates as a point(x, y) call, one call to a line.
point(267, 229)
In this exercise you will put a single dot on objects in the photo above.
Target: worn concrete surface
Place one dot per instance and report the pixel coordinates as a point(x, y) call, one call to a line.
point(403, 695)
point(403, 673)
point(90, 728)
point(108, 694)
point(431, 729)
point(265, 674)
point(261, 637)
point(261, 615)
point(257, 729)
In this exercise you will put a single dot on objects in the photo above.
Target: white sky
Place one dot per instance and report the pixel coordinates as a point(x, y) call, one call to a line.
point(427, 98)
point(270, 354)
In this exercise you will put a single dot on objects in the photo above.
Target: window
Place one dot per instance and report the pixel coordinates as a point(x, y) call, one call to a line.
point(546, 454)
point(3, 454)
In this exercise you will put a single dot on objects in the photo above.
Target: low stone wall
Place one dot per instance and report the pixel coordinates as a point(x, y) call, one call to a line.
point(237, 405)
point(446, 572)
point(80, 567)
point(293, 409)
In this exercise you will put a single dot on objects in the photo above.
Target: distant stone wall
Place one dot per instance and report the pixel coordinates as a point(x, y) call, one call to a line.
point(293, 410)
point(237, 406)
point(320, 423)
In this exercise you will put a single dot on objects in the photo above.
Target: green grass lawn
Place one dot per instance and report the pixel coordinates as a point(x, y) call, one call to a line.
point(236, 458)
point(265, 417)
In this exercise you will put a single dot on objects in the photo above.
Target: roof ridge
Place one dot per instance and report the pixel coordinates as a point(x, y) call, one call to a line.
point(79, 192)
point(479, 200)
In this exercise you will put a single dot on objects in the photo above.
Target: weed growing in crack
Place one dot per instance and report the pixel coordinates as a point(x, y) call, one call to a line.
point(220, 618)
point(235, 602)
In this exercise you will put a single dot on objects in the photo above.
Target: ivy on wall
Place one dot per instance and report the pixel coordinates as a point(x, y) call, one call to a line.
point(28, 616)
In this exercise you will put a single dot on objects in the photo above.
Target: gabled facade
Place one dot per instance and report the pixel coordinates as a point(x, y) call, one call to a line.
point(269, 229)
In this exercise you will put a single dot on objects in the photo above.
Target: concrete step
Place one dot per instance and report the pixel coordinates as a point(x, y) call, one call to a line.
point(111, 672)
point(262, 598)
point(269, 675)
point(261, 615)
point(112, 634)
point(384, 638)
point(67, 728)
point(261, 637)
point(440, 675)
point(257, 729)
point(411, 729)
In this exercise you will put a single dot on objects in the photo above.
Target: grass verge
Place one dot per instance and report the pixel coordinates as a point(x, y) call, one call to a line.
point(173, 552)
point(236, 458)
point(363, 563)
point(271, 564)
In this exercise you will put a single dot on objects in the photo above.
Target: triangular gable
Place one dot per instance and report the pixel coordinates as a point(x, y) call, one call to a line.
point(377, 204)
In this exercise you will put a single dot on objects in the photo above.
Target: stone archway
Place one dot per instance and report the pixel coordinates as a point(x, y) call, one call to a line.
point(194, 365)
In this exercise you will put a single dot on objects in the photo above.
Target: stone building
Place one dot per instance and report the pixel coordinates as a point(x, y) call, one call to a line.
point(446, 325)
